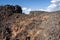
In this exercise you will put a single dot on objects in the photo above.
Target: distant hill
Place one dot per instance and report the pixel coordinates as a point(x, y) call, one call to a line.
point(38, 25)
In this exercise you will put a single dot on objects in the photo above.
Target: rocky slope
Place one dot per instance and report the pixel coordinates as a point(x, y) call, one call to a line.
point(38, 25)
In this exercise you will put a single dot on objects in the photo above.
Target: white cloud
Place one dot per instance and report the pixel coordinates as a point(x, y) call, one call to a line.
point(29, 9)
point(54, 6)
point(42, 10)
point(55, 1)
point(26, 10)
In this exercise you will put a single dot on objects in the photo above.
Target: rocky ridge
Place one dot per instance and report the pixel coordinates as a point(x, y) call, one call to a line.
point(34, 26)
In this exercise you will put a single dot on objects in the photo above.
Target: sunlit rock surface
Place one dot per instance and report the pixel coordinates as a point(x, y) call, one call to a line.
point(34, 26)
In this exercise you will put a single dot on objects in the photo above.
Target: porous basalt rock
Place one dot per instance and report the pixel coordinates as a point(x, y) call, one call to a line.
point(9, 10)
point(38, 26)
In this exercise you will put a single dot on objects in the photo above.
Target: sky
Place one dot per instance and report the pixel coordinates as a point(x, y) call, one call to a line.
point(34, 5)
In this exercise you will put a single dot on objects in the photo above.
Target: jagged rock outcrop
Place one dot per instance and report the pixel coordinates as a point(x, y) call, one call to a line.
point(11, 8)
point(38, 26)
point(8, 10)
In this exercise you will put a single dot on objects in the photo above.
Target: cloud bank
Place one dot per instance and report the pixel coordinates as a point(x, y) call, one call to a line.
point(54, 6)
point(26, 10)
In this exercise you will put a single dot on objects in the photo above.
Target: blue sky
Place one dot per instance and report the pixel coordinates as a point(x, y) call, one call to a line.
point(33, 4)
point(28, 5)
